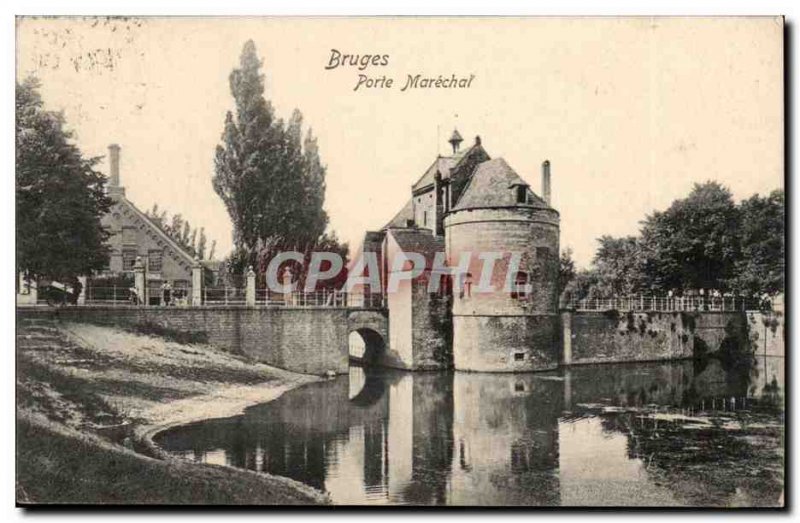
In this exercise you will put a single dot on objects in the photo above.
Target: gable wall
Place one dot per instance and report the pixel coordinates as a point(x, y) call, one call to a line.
point(129, 232)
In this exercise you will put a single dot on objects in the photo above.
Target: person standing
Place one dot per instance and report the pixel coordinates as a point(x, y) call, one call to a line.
point(166, 293)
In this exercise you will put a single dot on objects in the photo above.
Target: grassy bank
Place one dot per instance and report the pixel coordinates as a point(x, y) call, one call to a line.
point(86, 396)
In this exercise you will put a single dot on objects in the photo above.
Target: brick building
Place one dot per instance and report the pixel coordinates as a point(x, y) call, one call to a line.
point(134, 236)
point(469, 202)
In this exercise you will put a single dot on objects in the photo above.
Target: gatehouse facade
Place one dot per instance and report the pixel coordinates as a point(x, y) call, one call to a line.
point(465, 206)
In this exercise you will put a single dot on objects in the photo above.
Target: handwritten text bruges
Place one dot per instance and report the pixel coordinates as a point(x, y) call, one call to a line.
point(383, 81)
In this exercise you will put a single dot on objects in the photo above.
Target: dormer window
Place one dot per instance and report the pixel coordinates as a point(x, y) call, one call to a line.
point(522, 194)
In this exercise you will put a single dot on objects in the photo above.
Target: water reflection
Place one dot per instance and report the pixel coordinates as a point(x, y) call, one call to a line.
point(686, 433)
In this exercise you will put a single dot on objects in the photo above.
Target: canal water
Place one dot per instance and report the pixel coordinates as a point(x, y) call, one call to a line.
point(690, 433)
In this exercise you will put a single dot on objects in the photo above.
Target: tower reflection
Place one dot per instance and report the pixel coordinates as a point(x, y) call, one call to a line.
point(587, 435)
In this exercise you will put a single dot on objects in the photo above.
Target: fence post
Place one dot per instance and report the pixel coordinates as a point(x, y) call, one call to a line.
point(140, 281)
point(197, 283)
point(82, 295)
point(250, 289)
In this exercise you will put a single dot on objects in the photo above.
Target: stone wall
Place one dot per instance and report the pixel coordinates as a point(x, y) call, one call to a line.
point(431, 328)
point(617, 337)
point(506, 343)
point(503, 331)
point(312, 340)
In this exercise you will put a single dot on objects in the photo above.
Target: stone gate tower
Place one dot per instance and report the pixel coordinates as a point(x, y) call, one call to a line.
point(471, 203)
point(515, 326)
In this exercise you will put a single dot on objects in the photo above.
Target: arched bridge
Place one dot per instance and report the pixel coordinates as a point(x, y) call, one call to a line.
point(372, 325)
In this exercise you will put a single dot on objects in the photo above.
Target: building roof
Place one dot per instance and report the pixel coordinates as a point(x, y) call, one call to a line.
point(174, 246)
point(401, 218)
point(421, 241)
point(444, 165)
point(491, 186)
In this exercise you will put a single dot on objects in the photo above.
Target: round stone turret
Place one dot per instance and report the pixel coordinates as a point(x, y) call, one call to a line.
point(514, 327)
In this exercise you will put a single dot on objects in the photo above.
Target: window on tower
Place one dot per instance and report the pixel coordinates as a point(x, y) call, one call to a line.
point(521, 286)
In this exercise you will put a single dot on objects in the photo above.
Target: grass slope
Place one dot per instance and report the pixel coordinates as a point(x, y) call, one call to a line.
point(82, 391)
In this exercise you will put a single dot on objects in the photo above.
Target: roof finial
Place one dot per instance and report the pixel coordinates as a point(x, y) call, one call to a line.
point(455, 140)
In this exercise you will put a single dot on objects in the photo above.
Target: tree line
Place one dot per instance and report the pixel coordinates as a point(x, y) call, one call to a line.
point(704, 241)
point(181, 231)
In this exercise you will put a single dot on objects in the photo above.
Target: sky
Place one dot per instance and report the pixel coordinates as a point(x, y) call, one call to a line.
point(630, 112)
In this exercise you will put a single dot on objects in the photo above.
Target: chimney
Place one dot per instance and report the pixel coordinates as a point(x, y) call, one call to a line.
point(546, 181)
point(113, 156)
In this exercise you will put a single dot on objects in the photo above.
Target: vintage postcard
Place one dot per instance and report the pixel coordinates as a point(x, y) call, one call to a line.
point(485, 261)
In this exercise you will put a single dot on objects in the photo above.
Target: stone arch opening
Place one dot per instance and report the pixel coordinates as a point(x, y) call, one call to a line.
point(367, 347)
point(367, 386)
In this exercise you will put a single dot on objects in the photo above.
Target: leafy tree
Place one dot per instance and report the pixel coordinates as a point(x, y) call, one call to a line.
point(761, 267)
point(155, 215)
point(619, 266)
point(60, 196)
point(181, 231)
point(176, 227)
point(269, 177)
point(193, 241)
point(583, 285)
point(201, 243)
point(694, 244)
point(566, 270)
point(185, 236)
point(314, 183)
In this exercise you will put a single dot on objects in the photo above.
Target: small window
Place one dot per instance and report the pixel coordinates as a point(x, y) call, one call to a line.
point(180, 288)
point(519, 356)
point(446, 286)
point(519, 387)
point(522, 194)
point(424, 218)
point(520, 290)
point(155, 261)
point(128, 259)
point(467, 287)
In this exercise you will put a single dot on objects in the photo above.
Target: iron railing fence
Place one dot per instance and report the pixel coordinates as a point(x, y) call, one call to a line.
point(324, 298)
point(224, 296)
point(120, 295)
point(110, 295)
point(669, 304)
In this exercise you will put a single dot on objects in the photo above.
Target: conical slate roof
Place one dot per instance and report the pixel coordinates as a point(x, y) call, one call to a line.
point(491, 185)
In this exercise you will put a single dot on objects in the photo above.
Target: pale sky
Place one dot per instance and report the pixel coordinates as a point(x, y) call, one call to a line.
point(630, 112)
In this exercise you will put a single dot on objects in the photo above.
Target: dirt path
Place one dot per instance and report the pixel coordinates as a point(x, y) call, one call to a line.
point(110, 389)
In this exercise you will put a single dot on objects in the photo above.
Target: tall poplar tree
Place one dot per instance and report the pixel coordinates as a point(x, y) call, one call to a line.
point(269, 177)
